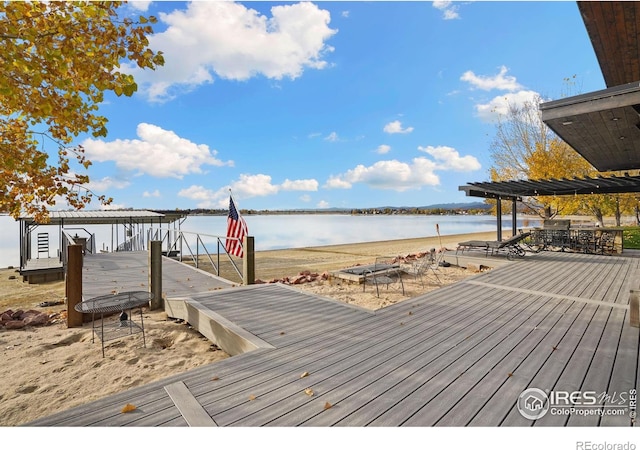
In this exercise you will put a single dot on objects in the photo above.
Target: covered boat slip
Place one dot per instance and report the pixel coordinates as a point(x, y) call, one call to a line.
point(43, 245)
point(457, 356)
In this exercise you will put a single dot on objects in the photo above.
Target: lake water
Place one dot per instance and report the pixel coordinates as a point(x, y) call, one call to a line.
point(286, 231)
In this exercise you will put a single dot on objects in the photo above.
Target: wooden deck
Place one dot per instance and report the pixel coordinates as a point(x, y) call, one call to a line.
point(129, 271)
point(42, 270)
point(457, 356)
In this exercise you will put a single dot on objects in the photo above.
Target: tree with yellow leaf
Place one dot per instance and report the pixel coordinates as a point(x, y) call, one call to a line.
point(525, 148)
point(58, 59)
point(557, 161)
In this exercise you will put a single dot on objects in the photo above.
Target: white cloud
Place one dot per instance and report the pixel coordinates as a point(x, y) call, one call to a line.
point(337, 182)
point(105, 184)
point(392, 174)
point(158, 152)
point(299, 185)
point(449, 11)
point(396, 127)
point(148, 194)
point(234, 42)
point(401, 176)
point(305, 198)
point(322, 204)
point(487, 83)
point(448, 158)
point(196, 193)
point(499, 106)
point(383, 149)
point(333, 137)
point(140, 5)
point(247, 186)
point(344, 14)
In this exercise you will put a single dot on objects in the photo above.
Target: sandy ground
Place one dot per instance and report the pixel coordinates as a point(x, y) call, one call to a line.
point(50, 368)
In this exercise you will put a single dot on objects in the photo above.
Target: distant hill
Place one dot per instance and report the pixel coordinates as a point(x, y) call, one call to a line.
point(452, 206)
point(394, 209)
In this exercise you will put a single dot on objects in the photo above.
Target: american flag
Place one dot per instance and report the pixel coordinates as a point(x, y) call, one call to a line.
point(236, 228)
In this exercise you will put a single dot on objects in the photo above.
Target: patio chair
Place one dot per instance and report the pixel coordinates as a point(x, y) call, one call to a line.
point(385, 272)
point(426, 266)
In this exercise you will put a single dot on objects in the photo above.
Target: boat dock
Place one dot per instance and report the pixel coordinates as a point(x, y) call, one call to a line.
point(461, 355)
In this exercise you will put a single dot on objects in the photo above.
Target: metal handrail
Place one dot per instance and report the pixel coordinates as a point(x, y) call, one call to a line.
point(179, 242)
point(68, 239)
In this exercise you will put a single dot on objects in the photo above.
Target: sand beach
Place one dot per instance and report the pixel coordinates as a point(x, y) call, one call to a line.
point(48, 368)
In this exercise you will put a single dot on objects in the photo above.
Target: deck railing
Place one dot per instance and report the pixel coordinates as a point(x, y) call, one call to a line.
point(87, 240)
point(198, 248)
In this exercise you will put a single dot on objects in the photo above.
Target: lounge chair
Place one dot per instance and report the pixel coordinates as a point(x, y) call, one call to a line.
point(511, 246)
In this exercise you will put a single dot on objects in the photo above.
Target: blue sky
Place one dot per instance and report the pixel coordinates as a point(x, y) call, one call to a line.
point(329, 104)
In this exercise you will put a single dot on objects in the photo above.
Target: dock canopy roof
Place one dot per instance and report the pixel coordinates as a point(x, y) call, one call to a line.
point(107, 217)
point(518, 189)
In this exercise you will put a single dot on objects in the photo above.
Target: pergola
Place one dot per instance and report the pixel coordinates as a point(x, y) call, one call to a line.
point(516, 190)
point(602, 126)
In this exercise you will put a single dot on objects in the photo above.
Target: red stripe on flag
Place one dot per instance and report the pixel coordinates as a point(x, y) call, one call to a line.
point(236, 231)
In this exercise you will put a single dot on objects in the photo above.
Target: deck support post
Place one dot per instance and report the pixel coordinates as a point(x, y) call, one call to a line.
point(499, 218)
point(514, 216)
point(155, 275)
point(248, 261)
point(73, 285)
point(634, 308)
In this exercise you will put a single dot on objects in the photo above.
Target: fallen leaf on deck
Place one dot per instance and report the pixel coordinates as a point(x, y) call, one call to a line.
point(128, 408)
point(304, 374)
point(252, 397)
point(308, 391)
point(215, 379)
point(327, 405)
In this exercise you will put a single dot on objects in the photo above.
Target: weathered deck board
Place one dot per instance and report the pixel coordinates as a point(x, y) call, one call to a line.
point(128, 271)
point(460, 355)
point(412, 340)
point(495, 393)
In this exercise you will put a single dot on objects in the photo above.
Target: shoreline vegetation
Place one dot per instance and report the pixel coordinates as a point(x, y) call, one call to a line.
point(433, 210)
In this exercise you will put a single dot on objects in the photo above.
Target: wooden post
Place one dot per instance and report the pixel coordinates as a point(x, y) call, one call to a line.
point(634, 308)
point(73, 285)
point(248, 261)
point(155, 274)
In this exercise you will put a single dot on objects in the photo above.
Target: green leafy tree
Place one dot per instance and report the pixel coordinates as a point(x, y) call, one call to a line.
point(57, 60)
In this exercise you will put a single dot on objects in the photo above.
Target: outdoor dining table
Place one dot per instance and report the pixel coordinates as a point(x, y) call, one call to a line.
point(122, 302)
point(581, 239)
